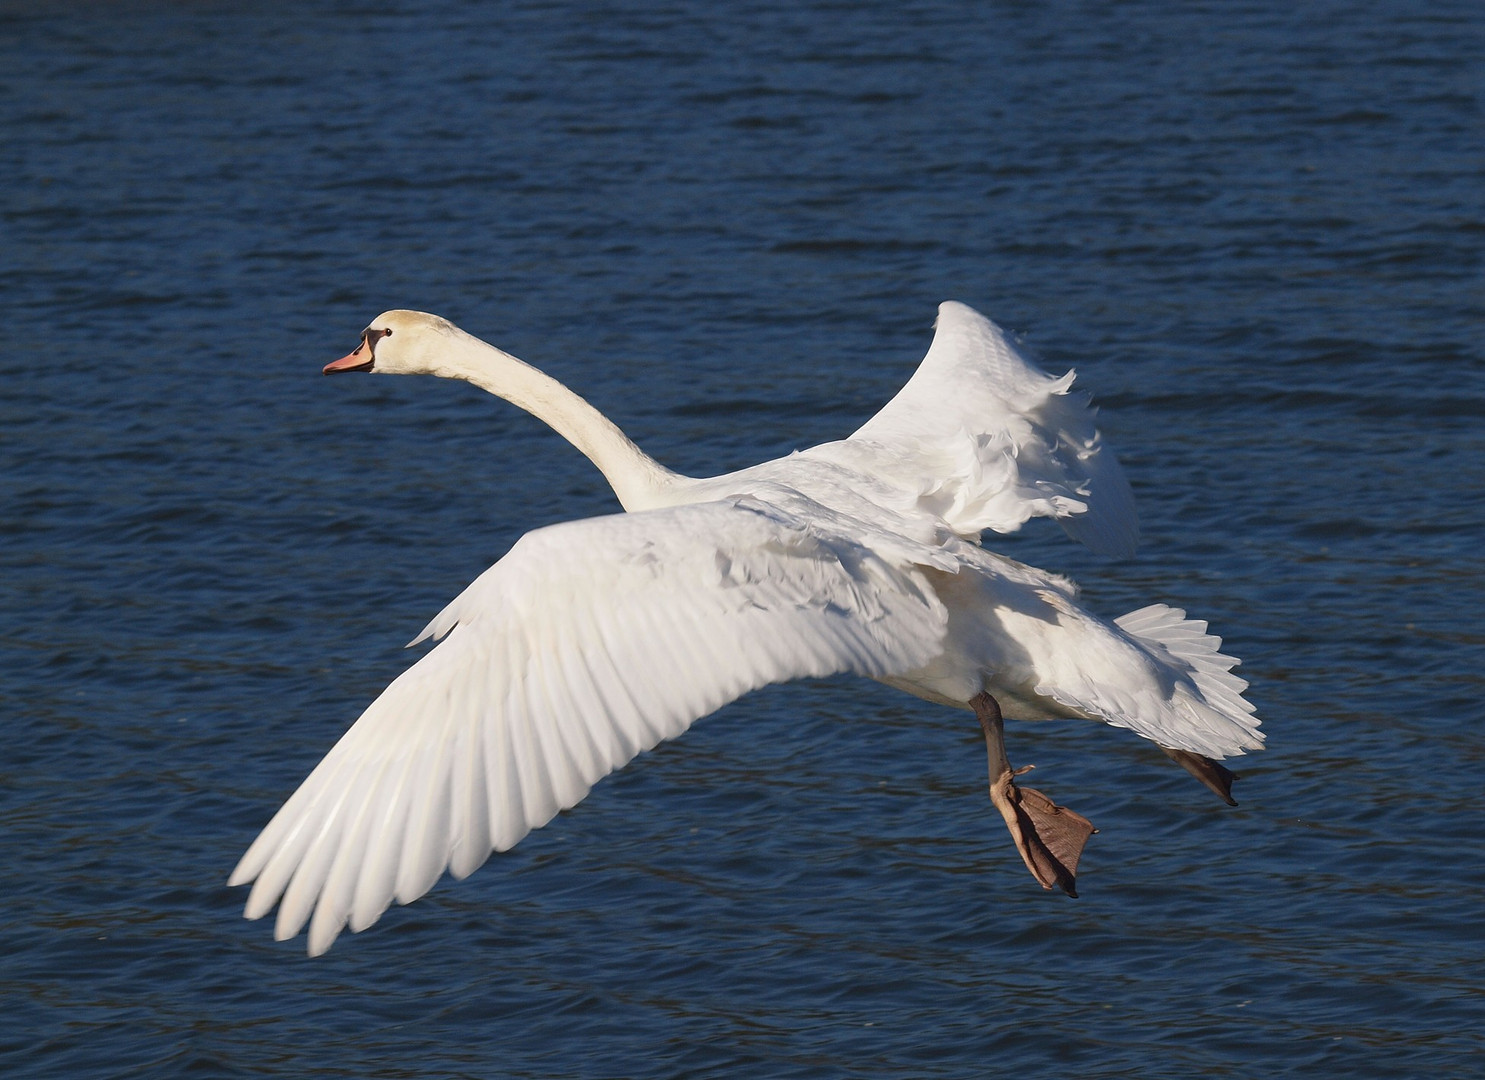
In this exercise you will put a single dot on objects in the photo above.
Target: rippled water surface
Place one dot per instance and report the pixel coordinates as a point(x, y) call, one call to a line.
point(1256, 232)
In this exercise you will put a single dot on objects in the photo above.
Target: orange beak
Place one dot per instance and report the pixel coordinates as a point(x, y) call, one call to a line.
point(358, 359)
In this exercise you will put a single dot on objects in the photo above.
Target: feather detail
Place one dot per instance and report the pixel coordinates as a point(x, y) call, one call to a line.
point(1003, 441)
point(588, 642)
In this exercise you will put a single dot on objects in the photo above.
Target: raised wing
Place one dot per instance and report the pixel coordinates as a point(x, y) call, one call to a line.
point(587, 643)
point(1004, 441)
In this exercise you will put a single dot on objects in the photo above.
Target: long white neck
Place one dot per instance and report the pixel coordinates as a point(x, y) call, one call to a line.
point(638, 480)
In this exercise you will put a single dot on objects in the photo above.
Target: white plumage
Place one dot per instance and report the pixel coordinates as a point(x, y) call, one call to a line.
point(593, 640)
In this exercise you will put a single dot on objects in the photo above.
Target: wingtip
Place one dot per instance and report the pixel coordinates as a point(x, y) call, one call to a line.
point(255, 909)
point(319, 946)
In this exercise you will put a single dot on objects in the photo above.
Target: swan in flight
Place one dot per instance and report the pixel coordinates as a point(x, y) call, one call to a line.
point(593, 640)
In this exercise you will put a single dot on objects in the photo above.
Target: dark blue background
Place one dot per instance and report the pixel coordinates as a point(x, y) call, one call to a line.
point(1256, 232)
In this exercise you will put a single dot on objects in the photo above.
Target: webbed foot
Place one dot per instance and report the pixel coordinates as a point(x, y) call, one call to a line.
point(1049, 837)
point(1213, 774)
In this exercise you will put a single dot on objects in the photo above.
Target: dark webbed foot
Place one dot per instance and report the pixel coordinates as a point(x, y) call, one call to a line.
point(1213, 774)
point(1049, 837)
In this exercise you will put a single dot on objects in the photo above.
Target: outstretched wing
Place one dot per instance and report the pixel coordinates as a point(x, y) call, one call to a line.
point(587, 643)
point(1004, 441)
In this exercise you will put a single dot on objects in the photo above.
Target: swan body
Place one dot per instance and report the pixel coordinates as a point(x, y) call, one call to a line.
point(593, 640)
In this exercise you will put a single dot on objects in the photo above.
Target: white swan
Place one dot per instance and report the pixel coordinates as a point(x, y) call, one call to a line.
point(593, 640)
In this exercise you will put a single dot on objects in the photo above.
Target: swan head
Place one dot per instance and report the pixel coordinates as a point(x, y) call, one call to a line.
point(399, 343)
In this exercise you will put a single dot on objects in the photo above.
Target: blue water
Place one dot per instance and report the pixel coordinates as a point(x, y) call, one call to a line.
point(1257, 233)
